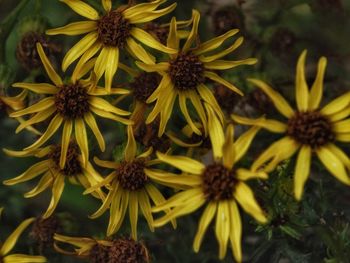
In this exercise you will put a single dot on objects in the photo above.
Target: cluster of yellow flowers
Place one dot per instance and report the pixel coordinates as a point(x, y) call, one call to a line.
point(116, 40)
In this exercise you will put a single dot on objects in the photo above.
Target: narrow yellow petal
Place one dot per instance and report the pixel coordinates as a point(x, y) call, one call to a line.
point(166, 111)
point(51, 129)
point(169, 178)
point(40, 88)
point(133, 213)
point(208, 96)
point(222, 227)
point(145, 206)
point(280, 103)
point(243, 143)
point(82, 9)
point(57, 190)
point(339, 115)
point(55, 78)
point(341, 126)
point(215, 77)
point(173, 40)
point(181, 143)
point(111, 64)
point(336, 105)
point(104, 105)
point(78, 49)
point(197, 103)
point(184, 110)
point(40, 106)
point(81, 138)
point(43, 184)
point(107, 5)
point(302, 171)
point(216, 133)
point(142, 8)
point(270, 125)
point(105, 205)
point(67, 131)
point(215, 42)
point(163, 86)
point(148, 40)
point(342, 156)
point(73, 29)
point(235, 231)
point(228, 148)
point(204, 222)
point(301, 88)
point(317, 88)
point(183, 163)
point(10, 242)
point(108, 115)
point(160, 67)
point(21, 258)
point(91, 122)
point(131, 147)
point(140, 52)
point(152, 15)
point(245, 197)
point(38, 117)
point(194, 31)
point(225, 64)
point(244, 174)
point(333, 164)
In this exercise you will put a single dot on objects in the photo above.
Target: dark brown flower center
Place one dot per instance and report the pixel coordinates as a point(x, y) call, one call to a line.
point(218, 182)
point(72, 166)
point(43, 231)
point(186, 71)
point(310, 128)
point(144, 85)
point(113, 29)
point(131, 175)
point(128, 251)
point(98, 254)
point(158, 31)
point(72, 101)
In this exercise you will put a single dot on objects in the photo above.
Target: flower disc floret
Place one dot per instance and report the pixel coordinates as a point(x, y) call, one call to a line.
point(131, 175)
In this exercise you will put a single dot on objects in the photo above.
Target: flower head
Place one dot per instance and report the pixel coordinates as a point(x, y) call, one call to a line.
point(110, 34)
point(129, 188)
point(309, 129)
point(71, 105)
point(219, 186)
point(185, 73)
point(53, 176)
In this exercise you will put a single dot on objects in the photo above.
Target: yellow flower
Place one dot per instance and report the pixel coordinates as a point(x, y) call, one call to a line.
point(71, 105)
point(184, 75)
point(53, 176)
point(110, 34)
point(219, 186)
point(309, 129)
point(11, 241)
point(128, 188)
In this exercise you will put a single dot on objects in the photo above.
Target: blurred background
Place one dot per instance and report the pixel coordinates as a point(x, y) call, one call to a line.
point(275, 32)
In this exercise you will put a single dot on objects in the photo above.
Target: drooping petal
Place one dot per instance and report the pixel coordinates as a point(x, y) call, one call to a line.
point(145, 206)
point(40, 106)
point(204, 222)
point(10, 242)
point(208, 96)
point(159, 67)
point(215, 77)
point(40, 88)
point(133, 213)
point(150, 16)
point(184, 110)
point(82, 9)
point(302, 170)
point(108, 115)
point(183, 163)
point(81, 138)
point(166, 111)
point(235, 231)
point(168, 178)
point(301, 88)
point(55, 78)
point(280, 103)
point(142, 8)
point(67, 131)
point(197, 103)
point(111, 66)
point(316, 91)
point(225, 64)
point(222, 227)
point(21, 258)
point(38, 117)
point(270, 125)
point(140, 52)
point(333, 164)
point(244, 174)
point(73, 29)
point(243, 143)
point(43, 184)
point(57, 190)
point(104, 105)
point(245, 197)
point(91, 122)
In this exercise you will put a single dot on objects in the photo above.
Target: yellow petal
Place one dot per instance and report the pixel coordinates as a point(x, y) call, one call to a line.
point(244, 174)
point(160, 67)
point(81, 138)
point(67, 131)
point(342, 156)
point(197, 103)
point(215, 77)
point(107, 5)
point(133, 213)
point(280, 103)
point(57, 190)
point(108, 115)
point(270, 125)
point(55, 78)
point(141, 8)
point(183, 107)
point(173, 40)
point(179, 142)
point(339, 115)
point(43, 184)
point(228, 148)
point(72, 29)
point(225, 64)
point(333, 164)
point(166, 111)
point(131, 147)
point(207, 95)
point(204, 222)
point(91, 122)
point(78, 49)
point(302, 170)
point(111, 64)
point(215, 42)
point(336, 105)
point(82, 9)
point(341, 126)
point(140, 52)
point(169, 178)
point(104, 105)
point(38, 117)
point(183, 163)
point(235, 231)
point(40, 106)
point(216, 133)
point(301, 88)
point(245, 197)
point(150, 41)
point(145, 206)
point(222, 227)
point(21, 258)
point(152, 15)
point(242, 144)
point(10, 242)
point(194, 31)
point(40, 88)
point(317, 88)
point(50, 131)
point(343, 137)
